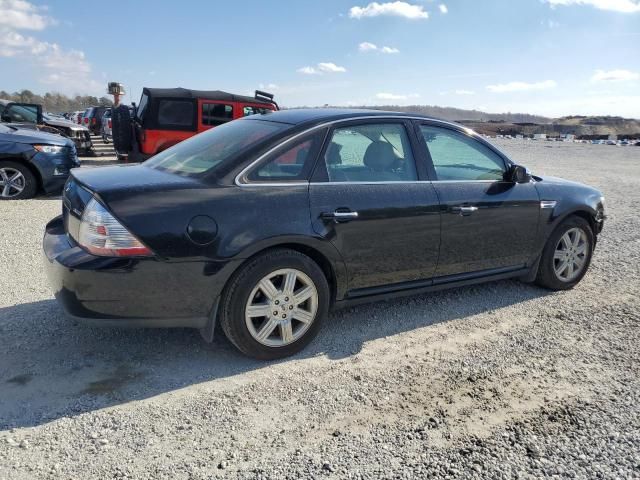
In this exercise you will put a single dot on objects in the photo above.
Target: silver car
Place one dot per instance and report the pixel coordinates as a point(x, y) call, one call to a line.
point(107, 135)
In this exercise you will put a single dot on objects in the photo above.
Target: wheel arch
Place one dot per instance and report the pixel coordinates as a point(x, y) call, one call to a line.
point(30, 166)
point(324, 254)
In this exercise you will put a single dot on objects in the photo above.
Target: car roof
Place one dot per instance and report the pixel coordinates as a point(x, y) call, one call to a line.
point(205, 94)
point(296, 116)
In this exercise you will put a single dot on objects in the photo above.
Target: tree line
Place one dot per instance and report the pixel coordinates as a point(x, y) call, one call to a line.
point(56, 102)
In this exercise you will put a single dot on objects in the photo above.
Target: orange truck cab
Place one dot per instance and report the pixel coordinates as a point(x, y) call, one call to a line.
point(166, 116)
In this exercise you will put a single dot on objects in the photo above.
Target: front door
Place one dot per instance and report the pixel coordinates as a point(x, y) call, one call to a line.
point(368, 199)
point(487, 223)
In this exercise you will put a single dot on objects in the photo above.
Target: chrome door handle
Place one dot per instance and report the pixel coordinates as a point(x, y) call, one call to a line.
point(464, 210)
point(339, 216)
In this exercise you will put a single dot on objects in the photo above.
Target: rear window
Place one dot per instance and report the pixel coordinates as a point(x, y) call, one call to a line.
point(175, 113)
point(204, 152)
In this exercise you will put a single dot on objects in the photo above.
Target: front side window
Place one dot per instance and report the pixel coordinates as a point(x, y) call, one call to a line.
point(22, 113)
point(206, 151)
point(142, 106)
point(214, 114)
point(292, 162)
point(456, 156)
point(250, 110)
point(178, 113)
point(370, 153)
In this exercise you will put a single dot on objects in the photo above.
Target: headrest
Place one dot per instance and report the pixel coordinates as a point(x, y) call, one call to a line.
point(333, 154)
point(379, 156)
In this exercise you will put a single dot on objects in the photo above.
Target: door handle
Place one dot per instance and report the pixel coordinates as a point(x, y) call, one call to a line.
point(339, 216)
point(464, 210)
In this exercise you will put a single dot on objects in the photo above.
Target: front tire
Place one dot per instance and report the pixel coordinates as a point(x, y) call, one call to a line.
point(16, 181)
point(275, 305)
point(567, 255)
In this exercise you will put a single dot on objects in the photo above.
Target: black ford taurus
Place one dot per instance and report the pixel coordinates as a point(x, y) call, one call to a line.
point(266, 223)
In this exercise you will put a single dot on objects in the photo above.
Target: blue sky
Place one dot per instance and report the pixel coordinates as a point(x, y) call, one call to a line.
point(549, 57)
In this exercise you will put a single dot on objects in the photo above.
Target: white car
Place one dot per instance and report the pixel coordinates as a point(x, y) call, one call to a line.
point(106, 132)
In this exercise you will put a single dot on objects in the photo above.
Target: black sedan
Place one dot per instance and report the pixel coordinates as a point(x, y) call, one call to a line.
point(266, 223)
point(33, 162)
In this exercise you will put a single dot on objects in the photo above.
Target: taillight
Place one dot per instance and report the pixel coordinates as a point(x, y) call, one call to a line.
point(86, 120)
point(101, 234)
point(93, 121)
point(109, 123)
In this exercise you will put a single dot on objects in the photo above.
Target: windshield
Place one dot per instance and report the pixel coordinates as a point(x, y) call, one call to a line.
point(209, 149)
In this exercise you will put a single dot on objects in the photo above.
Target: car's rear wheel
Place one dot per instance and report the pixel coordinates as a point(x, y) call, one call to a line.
point(16, 181)
point(275, 305)
point(567, 255)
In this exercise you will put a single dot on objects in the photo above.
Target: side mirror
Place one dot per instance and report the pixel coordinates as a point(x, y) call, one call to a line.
point(518, 174)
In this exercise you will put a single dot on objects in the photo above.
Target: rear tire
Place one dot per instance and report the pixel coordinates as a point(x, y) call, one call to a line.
point(567, 255)
point(275, 304)
point(121, 132)
point(17, 182)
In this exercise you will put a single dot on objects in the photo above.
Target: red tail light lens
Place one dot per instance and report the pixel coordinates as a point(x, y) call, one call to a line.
point(109, 123)
point(93, 121)
point(101, 234)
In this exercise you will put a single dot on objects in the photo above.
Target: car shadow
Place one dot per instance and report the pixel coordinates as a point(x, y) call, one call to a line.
point(53, 367)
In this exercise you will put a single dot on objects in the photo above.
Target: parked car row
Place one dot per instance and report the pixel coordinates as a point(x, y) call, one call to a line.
point(30, 116)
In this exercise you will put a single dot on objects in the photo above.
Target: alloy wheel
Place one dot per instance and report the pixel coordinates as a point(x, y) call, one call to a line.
point(281, 307)
point(12, 182)
point(571, 253)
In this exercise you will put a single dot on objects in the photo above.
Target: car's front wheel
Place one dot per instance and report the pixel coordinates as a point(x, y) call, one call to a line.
point(567, 255)
point(275, 305)
point(16, 181)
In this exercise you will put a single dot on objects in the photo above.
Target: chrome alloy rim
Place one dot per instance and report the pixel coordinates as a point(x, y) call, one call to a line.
point(12, 182)
point(281, 307)
point(570, 256)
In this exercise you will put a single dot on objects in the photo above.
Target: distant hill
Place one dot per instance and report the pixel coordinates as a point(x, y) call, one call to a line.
point(524, 123)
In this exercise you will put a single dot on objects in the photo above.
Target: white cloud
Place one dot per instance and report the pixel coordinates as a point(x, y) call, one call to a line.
point(393, 96)
point(443, 8)
point(521, 86)
point(270, 86)
point(465, 92)
point(614, 76)
point(22, 15)
point(68, 70)
point(622, 6)
point(367, 47)
point(372, 47)
point(320, 68)
point(330, 67)
point(394, 9)
point(307, 71)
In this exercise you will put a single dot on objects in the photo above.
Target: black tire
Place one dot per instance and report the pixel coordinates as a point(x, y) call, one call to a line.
point(547, 276)
point(242, 283)
point(30, 181)
point(122, 129)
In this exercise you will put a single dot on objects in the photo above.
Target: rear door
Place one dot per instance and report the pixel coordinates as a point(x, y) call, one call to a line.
point(487, 223)
point(369, 197)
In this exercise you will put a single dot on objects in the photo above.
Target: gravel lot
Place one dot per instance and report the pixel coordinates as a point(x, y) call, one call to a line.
point(502, 380)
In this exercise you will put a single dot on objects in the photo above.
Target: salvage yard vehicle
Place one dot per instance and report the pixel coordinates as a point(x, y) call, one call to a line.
point(166, 116)
point(33, 162)
point(30, 116)
point(105, 130)
point(266, 223)
point(92, 119)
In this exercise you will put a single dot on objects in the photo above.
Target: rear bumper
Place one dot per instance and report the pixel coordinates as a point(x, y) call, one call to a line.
point(127, 292)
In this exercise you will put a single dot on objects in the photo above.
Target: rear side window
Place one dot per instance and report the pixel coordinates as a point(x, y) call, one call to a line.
point(175, 113)
point(214, 114)
point(144, 100)
point(291, 162)
point(370, 153)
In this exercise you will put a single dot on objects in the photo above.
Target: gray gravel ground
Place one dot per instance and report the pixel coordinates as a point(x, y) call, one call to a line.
point(502, 380)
